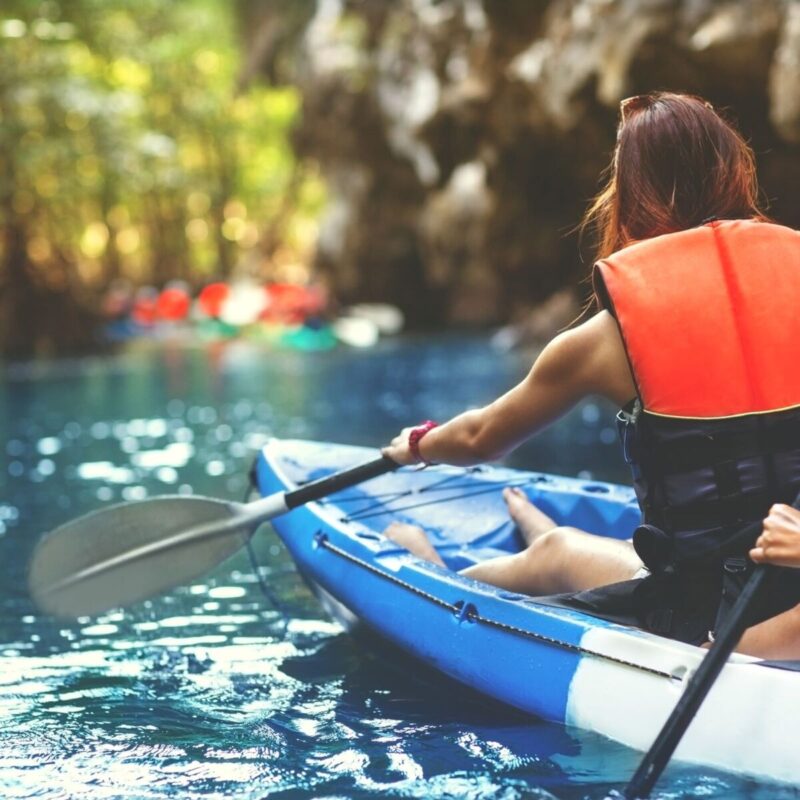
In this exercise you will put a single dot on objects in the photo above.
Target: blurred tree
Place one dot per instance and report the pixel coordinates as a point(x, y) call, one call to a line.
point(458, 140)
point(126, 153)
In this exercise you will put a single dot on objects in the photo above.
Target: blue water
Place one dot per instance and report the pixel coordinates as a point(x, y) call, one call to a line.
point(215, 691)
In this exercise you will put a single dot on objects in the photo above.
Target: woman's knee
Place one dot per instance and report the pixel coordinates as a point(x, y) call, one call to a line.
point(554, 543)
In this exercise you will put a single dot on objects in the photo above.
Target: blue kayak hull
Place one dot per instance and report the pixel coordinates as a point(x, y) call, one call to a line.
point(554, 662)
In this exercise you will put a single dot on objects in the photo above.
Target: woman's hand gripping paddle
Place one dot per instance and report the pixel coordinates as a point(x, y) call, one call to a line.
point(129, 552)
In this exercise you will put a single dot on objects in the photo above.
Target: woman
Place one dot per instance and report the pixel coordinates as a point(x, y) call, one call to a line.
point(696, 338)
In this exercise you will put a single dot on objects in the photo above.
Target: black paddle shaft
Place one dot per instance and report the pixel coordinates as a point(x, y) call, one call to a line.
point(331, 484)
point(655, 761)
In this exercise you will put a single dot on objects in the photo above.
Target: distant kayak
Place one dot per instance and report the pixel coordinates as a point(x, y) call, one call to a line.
point(543, 658)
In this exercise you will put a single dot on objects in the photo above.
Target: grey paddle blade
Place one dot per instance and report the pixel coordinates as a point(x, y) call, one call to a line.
point(120, 555)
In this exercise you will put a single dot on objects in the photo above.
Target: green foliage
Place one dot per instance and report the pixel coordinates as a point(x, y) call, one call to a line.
point(124, 151)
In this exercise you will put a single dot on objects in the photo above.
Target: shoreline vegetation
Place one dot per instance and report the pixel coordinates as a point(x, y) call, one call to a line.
point(128, 158)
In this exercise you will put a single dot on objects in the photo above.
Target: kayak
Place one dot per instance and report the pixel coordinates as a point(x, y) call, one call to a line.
point(558, 663)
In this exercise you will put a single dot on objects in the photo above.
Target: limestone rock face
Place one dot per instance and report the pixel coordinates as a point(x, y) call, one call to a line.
point(461, 139)
point(785, 77)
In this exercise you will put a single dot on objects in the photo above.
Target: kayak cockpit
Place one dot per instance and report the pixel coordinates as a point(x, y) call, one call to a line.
point(462, 509)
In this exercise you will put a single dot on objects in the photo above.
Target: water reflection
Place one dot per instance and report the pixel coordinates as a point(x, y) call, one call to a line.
point(206, 692)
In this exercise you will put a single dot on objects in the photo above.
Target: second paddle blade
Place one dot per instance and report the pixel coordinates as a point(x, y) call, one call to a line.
point(119, 555)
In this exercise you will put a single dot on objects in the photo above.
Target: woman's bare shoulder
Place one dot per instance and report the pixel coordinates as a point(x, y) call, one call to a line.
point(600, 324)
point(583, 341)
point(596, 350)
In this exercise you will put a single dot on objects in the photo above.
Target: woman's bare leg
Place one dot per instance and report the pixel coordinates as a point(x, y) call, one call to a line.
point(776, 638)
point(561, 559)
point(567, 559)
point(557, 559)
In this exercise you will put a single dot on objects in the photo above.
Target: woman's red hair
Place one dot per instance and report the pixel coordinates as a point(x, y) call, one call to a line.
point(677, 163)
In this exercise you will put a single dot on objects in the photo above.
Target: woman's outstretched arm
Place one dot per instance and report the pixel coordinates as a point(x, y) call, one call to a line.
point(589, 359)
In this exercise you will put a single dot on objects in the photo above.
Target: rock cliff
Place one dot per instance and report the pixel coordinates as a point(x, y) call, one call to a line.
point(461, 139)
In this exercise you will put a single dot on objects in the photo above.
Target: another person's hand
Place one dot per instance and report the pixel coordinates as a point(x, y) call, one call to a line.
point(779, 543)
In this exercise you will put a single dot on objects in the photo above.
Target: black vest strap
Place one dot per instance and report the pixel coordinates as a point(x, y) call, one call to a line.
point(729, 510)
point(693, 475)
point(699, 447)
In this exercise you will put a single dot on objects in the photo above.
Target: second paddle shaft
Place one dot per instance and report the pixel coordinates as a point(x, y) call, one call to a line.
point(671, 734)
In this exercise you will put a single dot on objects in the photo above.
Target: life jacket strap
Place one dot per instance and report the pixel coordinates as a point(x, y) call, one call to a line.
point(692, 453)
point(727, 511)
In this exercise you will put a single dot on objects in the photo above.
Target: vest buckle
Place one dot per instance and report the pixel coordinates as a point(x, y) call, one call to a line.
point(735, 564)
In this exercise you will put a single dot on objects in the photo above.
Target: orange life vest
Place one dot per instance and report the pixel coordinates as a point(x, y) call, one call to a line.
point(710, 319)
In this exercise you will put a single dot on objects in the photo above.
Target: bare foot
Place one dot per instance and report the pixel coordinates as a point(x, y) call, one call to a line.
point(414, 540)
point(531, 522)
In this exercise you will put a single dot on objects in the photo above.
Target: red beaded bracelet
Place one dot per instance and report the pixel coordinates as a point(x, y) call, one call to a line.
point(415, 437)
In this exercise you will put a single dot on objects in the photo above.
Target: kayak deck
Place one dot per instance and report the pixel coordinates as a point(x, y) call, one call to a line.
point(461, 510)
